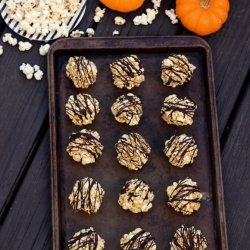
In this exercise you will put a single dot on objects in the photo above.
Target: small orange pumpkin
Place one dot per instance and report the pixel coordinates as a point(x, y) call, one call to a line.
point(123, 5)
point(202, 17)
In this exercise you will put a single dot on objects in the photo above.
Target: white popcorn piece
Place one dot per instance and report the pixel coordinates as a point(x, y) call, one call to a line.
point(27, 70)
point(30, 71)
point(43, 50)
point(7, 38)
point(171, 14)
point(90, 32)
point(36, 68)
point(156, 3)
point(116, 33)
point(77, 33)
point(42, 17)
point(1, 50)
point(120, 21)
point(38, 75)
point(99, 14)
point(147, 18)
point(24, 46)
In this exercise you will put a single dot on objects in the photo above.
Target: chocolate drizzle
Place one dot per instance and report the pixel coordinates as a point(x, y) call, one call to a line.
point(126, 69)
point(133, 151)
point(82, 141)
point(87, 195)
point(183, 195)
point(174, 106)
point(178, 147)
point(84, 74)
point(84, 239)
point(128, 106)
point(133, 191)
point(82, 108)
point(178, 72)
point(140, 241)
point(188, 239)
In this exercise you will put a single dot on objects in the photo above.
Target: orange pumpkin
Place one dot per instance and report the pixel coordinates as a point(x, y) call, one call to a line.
point(202, 17)
point(123, 5)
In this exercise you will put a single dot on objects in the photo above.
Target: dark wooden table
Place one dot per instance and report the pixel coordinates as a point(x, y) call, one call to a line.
point(25, 208)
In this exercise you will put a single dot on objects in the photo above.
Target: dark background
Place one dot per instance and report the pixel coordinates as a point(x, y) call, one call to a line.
point(25, 213)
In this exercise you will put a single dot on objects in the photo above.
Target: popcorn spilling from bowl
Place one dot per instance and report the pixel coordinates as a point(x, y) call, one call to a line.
point(42, 17)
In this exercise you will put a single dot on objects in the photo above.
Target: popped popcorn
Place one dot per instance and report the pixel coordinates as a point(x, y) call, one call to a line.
point(90, 32)
point(38, 75)
point(171, 14)
point(156, 3)
point(1, 50)
point(119, 20)
point(116, 33)
point(77, 33)
point(27, 70)
point(24, 46)
point(7, 38)
point(30, 71)
point(99, 14)
point(43, 50)
point(42, 17)
point(147, 18)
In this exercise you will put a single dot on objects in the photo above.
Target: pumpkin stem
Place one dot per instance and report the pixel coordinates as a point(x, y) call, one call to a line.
point(205, 4)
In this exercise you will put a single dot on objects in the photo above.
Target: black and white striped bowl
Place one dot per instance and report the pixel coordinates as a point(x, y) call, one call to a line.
point(73, 22)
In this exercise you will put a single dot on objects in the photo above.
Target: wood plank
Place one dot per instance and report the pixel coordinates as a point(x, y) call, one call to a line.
point(160, 26)
point(28, 225)
point(236, 172)
point(230, 47)
point(23, 110)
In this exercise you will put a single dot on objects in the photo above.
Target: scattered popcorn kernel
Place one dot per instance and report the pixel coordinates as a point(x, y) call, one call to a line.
point(99, 14)
point(43, 50)
point(24, 46)
point(119, 20)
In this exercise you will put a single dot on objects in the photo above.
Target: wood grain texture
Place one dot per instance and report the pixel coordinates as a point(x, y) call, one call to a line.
point(23, 114)
point(236, 170)
point(231, 52)
point(23, 110)
point(28, 225)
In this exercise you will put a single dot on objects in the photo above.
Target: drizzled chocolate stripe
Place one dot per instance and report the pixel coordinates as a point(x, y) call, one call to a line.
point(140, 241)
point(133, 146)
point(85, 141)
point(188, 239)
point(134, 191)
point(173, 103)
point(181, 194)
point(84, 70)
point(130, 105)
point(180, 148)
point(87, 193)
point(180, 69)
point(81, 105)
point(86, 238)
point(125, 69)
